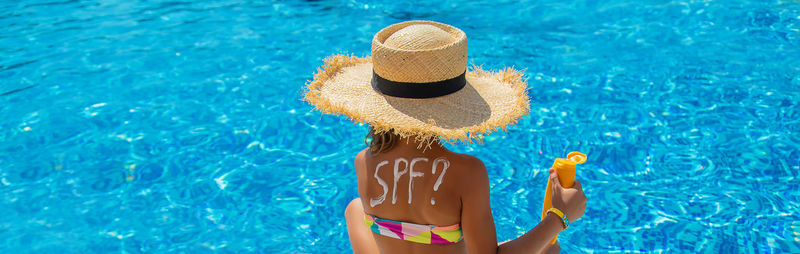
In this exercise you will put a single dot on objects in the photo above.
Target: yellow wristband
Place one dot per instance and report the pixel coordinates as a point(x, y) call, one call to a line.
point(561, 215)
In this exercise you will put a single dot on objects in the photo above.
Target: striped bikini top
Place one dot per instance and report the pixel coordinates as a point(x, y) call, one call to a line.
point(427, 234)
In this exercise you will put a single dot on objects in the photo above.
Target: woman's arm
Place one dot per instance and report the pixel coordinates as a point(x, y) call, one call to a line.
point(478, 225)
point(572, 201)
point(536, 239)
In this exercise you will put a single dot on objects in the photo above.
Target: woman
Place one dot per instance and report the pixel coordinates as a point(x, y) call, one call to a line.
point(415, 195)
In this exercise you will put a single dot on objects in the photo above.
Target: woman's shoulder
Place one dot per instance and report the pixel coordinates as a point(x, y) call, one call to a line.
point(469, 172)
point(467, 165)
point(361, 155)
point(359, 161)
point(468, 160)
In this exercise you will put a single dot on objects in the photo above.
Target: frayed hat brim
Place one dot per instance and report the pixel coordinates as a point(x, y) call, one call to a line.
point(489, 101)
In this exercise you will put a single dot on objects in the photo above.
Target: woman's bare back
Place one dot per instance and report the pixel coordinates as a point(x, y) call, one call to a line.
point(442, 188)
point(429, 193)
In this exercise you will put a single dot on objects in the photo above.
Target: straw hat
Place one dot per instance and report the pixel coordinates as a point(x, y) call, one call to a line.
point(417, 84)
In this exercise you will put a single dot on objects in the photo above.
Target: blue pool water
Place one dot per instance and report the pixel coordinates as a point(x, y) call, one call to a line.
point(177, 126)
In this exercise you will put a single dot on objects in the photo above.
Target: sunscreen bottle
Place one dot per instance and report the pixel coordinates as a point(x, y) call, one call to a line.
point(566, 175)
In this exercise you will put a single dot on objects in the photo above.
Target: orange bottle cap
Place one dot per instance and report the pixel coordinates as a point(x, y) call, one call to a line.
point(576, 157)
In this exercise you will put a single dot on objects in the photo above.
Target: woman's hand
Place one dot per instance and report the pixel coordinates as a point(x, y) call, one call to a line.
point(571, 201)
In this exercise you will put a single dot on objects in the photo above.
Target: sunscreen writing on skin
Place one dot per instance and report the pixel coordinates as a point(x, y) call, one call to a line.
point(379, 200)
point(407, 168)
point(397, 175)
point(412, 174)
point(444, 170)
point(565, 168)
point(446, 164)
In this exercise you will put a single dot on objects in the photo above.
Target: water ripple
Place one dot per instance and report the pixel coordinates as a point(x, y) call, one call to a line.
point(177, 126)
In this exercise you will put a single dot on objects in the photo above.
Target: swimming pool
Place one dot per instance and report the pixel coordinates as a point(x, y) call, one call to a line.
point(177, 126)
